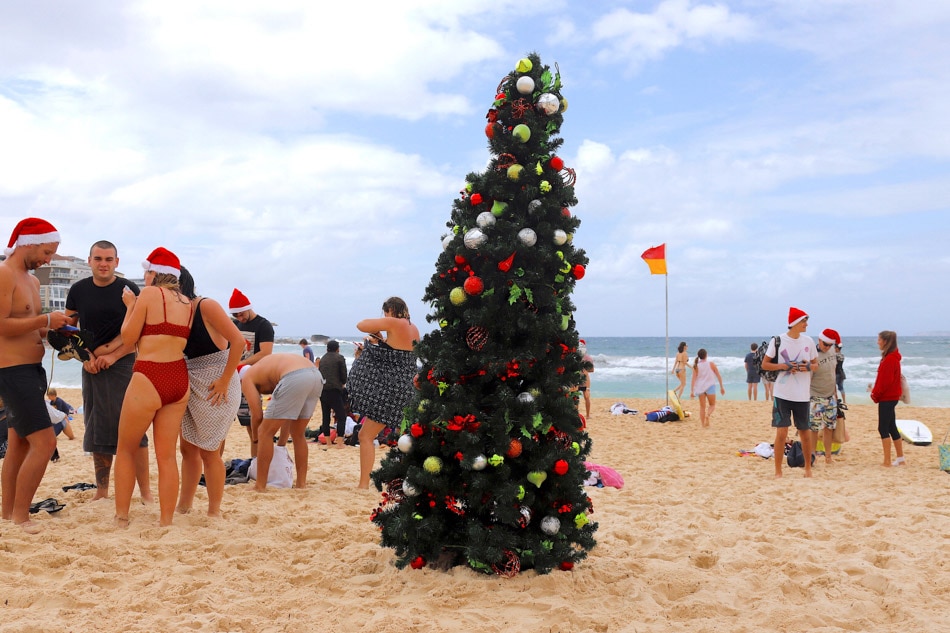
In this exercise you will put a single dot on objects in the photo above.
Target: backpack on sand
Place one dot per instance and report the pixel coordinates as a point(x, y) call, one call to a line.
point(770, 375)
point(795, 457)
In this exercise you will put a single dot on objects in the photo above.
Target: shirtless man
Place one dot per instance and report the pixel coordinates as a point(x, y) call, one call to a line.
point(300, 385)
point(31, 440)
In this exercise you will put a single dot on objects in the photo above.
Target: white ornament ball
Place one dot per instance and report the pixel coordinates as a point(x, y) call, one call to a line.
point(446, 241)
point(534, 205)
point(405, 443)
point(474, 238)
point(409, 489)
point(479, 462)
point(525, 398)
point(550, 525)
point(485, 219)
point(560, 237)
point(525, 85)
point(527, 236)
point(548, 103)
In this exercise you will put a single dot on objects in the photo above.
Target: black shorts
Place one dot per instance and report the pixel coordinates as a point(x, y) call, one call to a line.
point(23, 389)
point(784, 410)
point(244, 412)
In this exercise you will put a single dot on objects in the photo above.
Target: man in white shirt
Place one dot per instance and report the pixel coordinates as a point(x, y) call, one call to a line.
point(795, 359)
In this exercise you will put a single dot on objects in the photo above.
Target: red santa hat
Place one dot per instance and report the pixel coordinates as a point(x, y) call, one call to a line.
point(238, 302)
point(829, 336)
point(795, 316)
point(32, 231)
point(162, 260)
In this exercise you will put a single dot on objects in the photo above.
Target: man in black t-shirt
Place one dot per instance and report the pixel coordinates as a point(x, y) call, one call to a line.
point(259, 337)
point(97, 300)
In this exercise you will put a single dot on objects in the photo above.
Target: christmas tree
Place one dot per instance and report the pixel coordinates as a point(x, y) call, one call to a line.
point(489, 468)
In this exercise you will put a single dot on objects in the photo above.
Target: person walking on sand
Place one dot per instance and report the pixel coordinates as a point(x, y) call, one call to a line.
point(705, 376)
point(752, 376)
point(212, 354)
point(295, 384)
point(679, 368)
point(30, 439)
point(307, 351)
point(158, 321)
point(380, 381)
point(259, 336)
point(886, 392)
point(796, 359)
point(824, 401)
point(96, 302)
point(333, 369)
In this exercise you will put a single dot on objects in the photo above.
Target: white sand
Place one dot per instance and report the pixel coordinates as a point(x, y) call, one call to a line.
point(699, 539)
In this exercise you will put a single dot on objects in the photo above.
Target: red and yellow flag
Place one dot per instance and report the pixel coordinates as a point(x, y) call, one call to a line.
point(656, 259)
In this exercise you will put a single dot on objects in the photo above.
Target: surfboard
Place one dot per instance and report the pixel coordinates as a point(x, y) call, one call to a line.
point(675, 403)
point(915, 432)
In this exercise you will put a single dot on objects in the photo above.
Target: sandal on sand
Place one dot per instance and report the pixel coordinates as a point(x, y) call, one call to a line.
point(899, 462)
point(80, 486)
point(49, 505)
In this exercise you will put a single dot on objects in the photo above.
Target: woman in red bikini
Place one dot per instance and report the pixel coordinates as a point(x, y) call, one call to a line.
point(158, 323)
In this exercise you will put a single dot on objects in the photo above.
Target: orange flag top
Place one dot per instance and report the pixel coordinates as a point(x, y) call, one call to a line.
point(656, 259)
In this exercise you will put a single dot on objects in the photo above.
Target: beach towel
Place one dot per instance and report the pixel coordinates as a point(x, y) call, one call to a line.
point(608, 476)
point(620, 408)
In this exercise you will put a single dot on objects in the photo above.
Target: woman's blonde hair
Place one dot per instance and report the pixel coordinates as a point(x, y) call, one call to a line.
point(890, 341)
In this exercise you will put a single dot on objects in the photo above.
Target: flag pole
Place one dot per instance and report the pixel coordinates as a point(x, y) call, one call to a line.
point(666, 279)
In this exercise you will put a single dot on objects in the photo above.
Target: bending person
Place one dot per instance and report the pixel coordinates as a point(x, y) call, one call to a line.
point(380, 381)
point(213, 352)
point(158, 322)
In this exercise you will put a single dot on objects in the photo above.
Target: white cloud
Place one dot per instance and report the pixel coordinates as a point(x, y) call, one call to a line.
point(634, 38)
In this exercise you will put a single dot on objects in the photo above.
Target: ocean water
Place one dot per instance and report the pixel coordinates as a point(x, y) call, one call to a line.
point(637, 367)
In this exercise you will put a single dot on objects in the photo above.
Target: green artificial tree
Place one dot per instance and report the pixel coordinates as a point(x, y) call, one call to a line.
point(489, 468)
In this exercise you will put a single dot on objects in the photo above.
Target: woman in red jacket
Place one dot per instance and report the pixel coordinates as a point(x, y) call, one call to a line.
point(886, 392)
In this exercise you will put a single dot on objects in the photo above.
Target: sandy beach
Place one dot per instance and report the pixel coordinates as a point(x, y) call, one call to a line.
point(699, 539)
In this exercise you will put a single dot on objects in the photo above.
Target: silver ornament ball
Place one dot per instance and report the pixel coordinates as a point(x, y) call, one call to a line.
point(525, 85)
point(525, 398)
point(409, 489)
point(474, 238)
point(405, 443)
point(485, 219)
point(527, 237)
point(479, 462)
point(548, 103)
point(560, 237)
point(550, 525)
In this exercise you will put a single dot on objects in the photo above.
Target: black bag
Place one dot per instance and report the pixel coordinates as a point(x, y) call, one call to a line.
point(770, 375)
point(795, 457)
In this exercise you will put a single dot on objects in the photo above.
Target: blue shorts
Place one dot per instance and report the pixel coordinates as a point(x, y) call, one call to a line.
point(711, 391)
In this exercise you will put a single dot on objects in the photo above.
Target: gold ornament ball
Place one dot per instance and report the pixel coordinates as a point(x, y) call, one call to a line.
point(524, 65)
point(457, 296)
point(514, 172)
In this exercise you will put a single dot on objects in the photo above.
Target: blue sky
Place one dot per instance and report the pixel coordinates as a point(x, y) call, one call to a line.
point(787, 152)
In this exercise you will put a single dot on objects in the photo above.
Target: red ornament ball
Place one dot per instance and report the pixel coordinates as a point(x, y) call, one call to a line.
point(460, 260)
point(476, 337)
point(476, 199)
point(560, 467)
point(473, 285)
point(579, 271)
point(514, 448)
point(566, 565)
point(490, 130)
point(565, 212)
point(419, 562)
point(416, 430)
point(557, 164)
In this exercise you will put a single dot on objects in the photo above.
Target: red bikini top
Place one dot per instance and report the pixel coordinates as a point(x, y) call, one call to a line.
point(165, 327)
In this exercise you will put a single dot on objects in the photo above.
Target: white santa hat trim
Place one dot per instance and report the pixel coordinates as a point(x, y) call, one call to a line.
point(30, 231)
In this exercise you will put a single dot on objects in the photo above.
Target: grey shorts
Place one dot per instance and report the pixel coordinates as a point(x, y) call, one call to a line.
point(296, 395)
